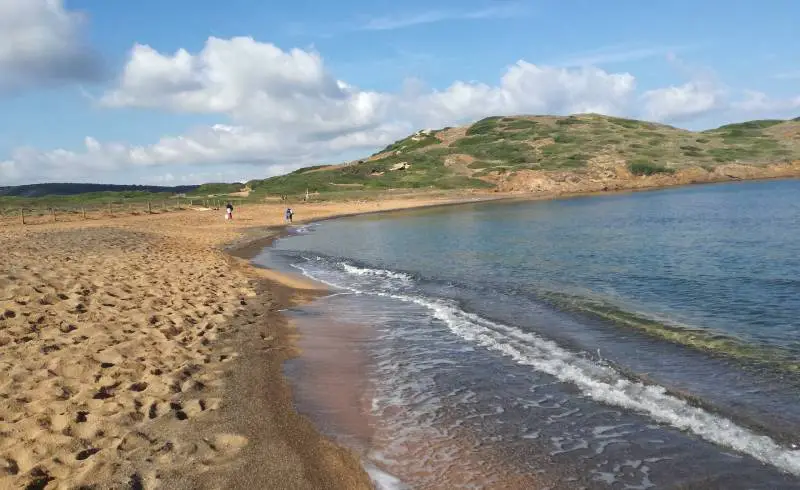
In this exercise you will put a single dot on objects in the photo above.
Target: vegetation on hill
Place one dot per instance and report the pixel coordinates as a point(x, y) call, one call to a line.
point(478, 156)
point(465, 157)
point(69, 195)
point(216, 188)
point(89, 199)
point(71, 189)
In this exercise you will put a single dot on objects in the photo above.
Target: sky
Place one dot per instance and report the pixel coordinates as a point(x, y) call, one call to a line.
point(185, 91)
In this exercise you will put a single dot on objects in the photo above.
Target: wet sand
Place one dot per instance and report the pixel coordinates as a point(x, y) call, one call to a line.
point(332, 379)
point(136, 353)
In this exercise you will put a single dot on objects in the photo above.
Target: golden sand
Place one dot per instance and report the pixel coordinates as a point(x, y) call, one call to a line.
point(121, 341)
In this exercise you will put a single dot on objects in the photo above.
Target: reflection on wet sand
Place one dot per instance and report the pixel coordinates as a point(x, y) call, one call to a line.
point(332, 386)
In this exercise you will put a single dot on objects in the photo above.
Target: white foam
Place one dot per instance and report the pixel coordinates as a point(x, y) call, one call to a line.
point(359, 271)
point(383, 480)
point(599, 382)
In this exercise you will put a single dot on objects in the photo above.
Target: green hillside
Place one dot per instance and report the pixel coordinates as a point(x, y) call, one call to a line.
point(466, 157)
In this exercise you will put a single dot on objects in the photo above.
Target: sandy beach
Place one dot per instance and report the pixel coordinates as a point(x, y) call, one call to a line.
point(145, 352)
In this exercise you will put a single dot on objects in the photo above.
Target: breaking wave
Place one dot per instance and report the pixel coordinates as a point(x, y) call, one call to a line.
point(597, 381)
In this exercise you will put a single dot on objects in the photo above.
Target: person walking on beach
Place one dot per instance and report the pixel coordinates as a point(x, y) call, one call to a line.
point(229, 211)
point(288, 215)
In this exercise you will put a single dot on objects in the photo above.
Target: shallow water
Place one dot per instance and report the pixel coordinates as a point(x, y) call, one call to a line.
point(628, 341)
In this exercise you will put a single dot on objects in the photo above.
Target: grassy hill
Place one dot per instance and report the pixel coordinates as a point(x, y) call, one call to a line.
point(494, 148)
point(494, 153)
point(213, 189)
point(81, 195)
point(71, 189)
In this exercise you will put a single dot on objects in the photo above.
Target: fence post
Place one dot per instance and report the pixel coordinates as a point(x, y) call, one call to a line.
point(149, 209)
point(83, 212)
point(110, 209)
point(22, 214)
point(53, 212)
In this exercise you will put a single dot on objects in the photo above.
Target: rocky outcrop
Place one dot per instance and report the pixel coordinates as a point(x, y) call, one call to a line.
point(607, 174)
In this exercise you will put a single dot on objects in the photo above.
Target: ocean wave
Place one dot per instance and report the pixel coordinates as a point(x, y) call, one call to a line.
point(597, 381)
point(715, 342)
point(361, 271)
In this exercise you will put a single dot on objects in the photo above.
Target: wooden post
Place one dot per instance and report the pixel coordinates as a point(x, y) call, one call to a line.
point(164, 205)
point(110, 210)
point(22, 214)
point(149, 209)
point(83, 212)
point(53, 213)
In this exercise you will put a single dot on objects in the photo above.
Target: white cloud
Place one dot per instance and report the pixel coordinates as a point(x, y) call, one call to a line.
point(42, 44)
point(284, 109)
point(700, 96)
point(530, 89)
point(253, 83)
point(272, 152)
point(680, 103)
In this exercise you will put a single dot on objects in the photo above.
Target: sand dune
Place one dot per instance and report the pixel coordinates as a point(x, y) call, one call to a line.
point(116, 338)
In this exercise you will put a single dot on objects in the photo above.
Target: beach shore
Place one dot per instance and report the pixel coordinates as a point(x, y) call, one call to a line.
point(146, 352)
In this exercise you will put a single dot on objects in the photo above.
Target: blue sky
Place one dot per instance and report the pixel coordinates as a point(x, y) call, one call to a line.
point(99, 94)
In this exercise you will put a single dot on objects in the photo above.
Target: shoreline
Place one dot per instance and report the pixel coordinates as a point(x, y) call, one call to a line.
point(191, 292)
point(143, 353)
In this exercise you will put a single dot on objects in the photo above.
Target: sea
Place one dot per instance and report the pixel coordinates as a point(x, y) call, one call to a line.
point(624, 341)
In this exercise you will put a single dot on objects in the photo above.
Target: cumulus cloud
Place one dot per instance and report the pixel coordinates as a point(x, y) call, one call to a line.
point(284, 109)
point(260, 84)
point(680, 103)
point(271, 152)
point(42, 44)
point(524, 88)
point(254, 83)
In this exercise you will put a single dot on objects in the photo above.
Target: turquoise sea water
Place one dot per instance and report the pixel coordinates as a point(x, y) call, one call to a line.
point(625, 341)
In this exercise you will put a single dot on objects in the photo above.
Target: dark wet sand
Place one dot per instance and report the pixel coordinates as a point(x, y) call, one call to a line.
point(329, 377)
point(284, 448)
point(330, 380)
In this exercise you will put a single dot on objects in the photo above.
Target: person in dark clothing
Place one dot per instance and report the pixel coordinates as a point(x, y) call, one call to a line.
point(229, 211)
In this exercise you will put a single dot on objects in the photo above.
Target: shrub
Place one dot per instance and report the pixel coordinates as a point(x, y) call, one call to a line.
point(750, 125)
point(479, 164)
point(513, 153)
point(481, 139)
point(627, 123)
point(484, 126)
point(641, 167)
point(521, 124)
point(568, 120)
point(564, 138)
